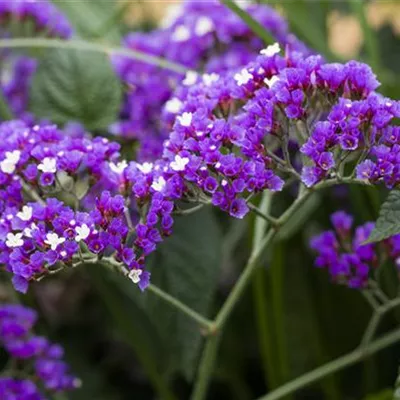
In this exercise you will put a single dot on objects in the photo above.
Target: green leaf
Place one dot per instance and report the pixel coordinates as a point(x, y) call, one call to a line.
point(187, 267)
point(134, 326)
point(386, 394)
point(76, 85)
point(91, 17)
point(388, 223)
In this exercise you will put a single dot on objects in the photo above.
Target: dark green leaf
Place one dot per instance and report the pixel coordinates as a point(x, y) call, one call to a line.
point(187, 267)
point(386, 394)
point(89, 17)
point(388, 223)
point(134, 326)
point(76, 85)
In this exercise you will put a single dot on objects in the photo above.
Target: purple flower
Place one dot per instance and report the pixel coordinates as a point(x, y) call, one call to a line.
point(238, 208)
point(17, 337)
point(344, 254)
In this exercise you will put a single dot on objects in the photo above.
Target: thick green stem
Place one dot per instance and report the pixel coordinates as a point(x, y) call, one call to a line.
point(89, 46)
point(206, 365)
point(253, 24)
point(5, 111)
point(259, 297)
point(336, 365)
point(258, 248)
point(364, 350)
point(243, 280)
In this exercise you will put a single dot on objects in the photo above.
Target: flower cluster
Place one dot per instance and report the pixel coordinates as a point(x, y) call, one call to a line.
point(233, 135)
point(43, 14)
point(35, 355)
point(330, 111)
point(200, 35)
point(343, 253)
point(115, 210)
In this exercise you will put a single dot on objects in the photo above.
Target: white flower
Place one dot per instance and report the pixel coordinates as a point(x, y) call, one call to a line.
point(190, 78)
point(179, 164)
point(243, 4)
point(48, 164)
point(173, 106)
point(14, 240)
point(134, 275)
point(203, 26)
point(13, 156)
point(209, 79)
point(28, 231)
point(9, 163)
point(145, 168)
point(118, 168)
point(25, 214)
point(7, 167)
point(172, 14)
point(271, 82)
point(243, 77)
point(82, 232)
point(53, 240)
point(185, 119)
point(271, 50)
point(159, 184)
point(180, 34)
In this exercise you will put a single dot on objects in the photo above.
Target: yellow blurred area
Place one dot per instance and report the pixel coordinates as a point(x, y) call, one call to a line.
point(148, 10)
point(345, 37)
point(344, 30)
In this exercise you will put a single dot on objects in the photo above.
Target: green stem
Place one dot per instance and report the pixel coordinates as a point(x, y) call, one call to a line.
point(243, 280)
point(267, 218)
point(206, 366)
point(263, 318)
point(174, 302)
point(351, 358)
point(5, 111)
point(277, 273)
point(365, 349)
point(256, 253)
point(253, 24)
point(31, 192)
point(259, 297)
point(89, 46)
point(189, 211)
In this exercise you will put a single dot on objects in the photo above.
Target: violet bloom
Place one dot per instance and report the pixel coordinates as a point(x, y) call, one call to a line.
point(201, 35)
point(18, 339)
point(345, 255)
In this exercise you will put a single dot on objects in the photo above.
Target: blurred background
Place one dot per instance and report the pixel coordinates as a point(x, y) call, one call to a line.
point(124, 345)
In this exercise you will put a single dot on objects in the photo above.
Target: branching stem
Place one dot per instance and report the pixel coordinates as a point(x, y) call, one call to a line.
point(90, 46)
